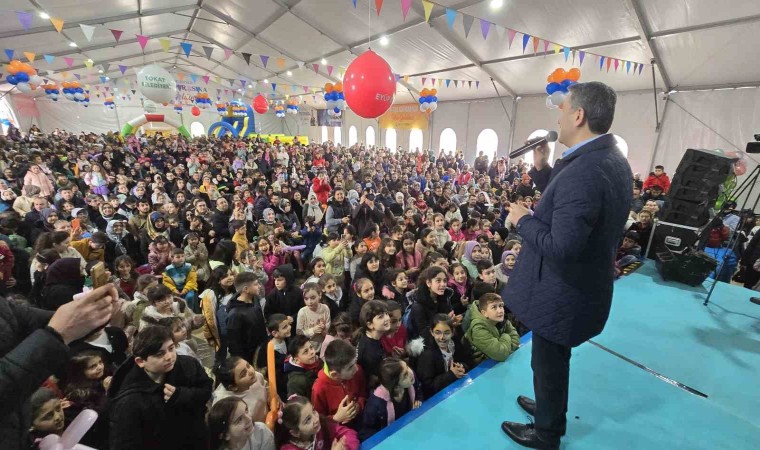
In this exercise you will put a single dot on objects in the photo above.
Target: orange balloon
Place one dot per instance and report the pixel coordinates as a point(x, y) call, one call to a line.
point(329, 87)
point(338, 87)
point(434, 92)
point(29, 70)
point(15, 63)
point(574, 74)
point(559, 75)
point(424, 93)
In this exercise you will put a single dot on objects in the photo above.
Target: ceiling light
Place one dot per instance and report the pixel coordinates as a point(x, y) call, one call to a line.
point(324, 62)
point(72, 44)
point(384, 41)
point(44, 15)
point(108, 78)
point(100, 71)
point(290, 74)
point(266, 81)
point(250, 86)
point(496, 4)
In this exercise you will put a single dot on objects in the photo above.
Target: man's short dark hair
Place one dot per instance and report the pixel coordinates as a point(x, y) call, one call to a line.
point(149, 341)
point(660, 167)
point(296, 343)
point(339, 354)
point(598, 103)
point(158, 293)
point(244, 279)
point(483, 265)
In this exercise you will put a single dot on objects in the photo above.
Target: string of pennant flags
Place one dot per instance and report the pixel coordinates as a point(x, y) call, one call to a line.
point(549, 47)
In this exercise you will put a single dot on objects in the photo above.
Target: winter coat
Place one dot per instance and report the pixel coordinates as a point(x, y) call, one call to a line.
point(364, 217)
point(198, 257)
point(381, 410)
point(327, 393)
point(561, 286)
point(334, 259)
point(489, 340)
point(142, 420)
point(29, 354)
point(178, 279)
point(431, 369)
point(653, 180)
point(423, 308)
point(300, 379)
point(288, 301)
point(335, 214)
point(113, 359)
point(87, 252)
point(63, 280)
point(325, 437)
point(246, 328)
point(212, 329)
point(321, 189)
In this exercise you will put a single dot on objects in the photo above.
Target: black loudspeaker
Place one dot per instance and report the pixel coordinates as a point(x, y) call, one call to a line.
point(695, 187)
point(671, 237)
point(687, 267)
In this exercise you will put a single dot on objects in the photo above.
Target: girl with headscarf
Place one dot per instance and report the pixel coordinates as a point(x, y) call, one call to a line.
point(267, 224)
point(155, 226)
point(7, 198)
point(120, 241)
point(504, 270)
point(470, 257)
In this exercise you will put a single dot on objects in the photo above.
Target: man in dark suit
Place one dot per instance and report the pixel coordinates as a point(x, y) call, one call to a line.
point(561, 287)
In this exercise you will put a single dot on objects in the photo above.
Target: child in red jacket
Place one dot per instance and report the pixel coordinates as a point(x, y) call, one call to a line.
point(340, 390)
point(658, 178)
point(321, 187)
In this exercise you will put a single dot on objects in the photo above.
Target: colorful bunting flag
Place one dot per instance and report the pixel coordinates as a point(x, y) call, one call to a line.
point(525, 40)
point(206, 79)
point(609, 60)
point(30, 56)
point(122, 69)
point(329, 70)
point(428, 7)
point(180, 76)
point(354, 4)
point(274, 86)
point(264, 60)
point(49, 59)
point(424, 80)
point(627, 67)
point(165, 44)
point(88, 63)
point(227, 53)
point(601, 62)
point(451, 16)
point(511, 36)
point(546, 47)
point(69, 61)
point(581, 55)
point(9, 53)
point(143, 40)
point(79, 77)
point(57, 23)
point(194, 77)
point(617, 63)
point(25, 19)
point(116, 35)
point(247, 58)
point(186, 47)
point(405, 4)
point(456, 83)
point(567, 52)
point(378, 6)
point(280, 62)
point(485, 26)
point(316, 68)
point(468, 21)
point(88, 31)
point(641, 66)
point(208, 51)
point(477, 84)
point(406, 78)
point(535, 44)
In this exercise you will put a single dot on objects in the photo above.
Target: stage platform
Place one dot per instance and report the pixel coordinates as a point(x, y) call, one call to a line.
point(710, 350)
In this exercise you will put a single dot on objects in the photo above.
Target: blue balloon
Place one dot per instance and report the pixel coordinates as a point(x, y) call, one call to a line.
point(566, 84)
point(12, 79)
point(435, 99)
point(337, 110)
point(553, 87)
point(80, 91)
point(22, 77)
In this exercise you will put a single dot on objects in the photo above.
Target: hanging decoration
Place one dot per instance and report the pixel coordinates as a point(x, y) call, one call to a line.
point(23, 76)
point(369, 85)
point(428, 100)
point(178, 108)
point(86, 100)
point(202, 100)
point(195, 111)
point(279, 110)
point(292, 106)
point(73, 91)
point(109, 104)
point(260, 104)
point(156, 83)
point(559, 83)
point(221, 108)
point(51, 91)
point(334, 98)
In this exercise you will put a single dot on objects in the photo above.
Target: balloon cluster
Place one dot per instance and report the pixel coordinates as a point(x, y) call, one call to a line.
point(559, 83)
point(51, 91)
point(23, 76)
point(86, 100)
point(239, 109)
point(73, 91)
point(428, 100)
point(279, 110)
point(221, 108)
point(202, 100)
point(292, 106)
point(336, 101)
point(178, 108)
point(108, 103)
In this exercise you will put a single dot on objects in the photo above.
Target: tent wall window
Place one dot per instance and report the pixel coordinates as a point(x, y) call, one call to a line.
point(415, 140)
point(325, 136)
point(390, 139)
point(448, 141)
point(197, 129)
point(352, 136)
point(487, 143)
point(337, 136)
point(370, 136)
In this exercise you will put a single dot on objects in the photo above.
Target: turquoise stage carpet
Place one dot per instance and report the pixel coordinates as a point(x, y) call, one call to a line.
point(614, 404)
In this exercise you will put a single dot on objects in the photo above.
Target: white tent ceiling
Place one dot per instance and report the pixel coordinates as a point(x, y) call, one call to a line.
point(697, 43)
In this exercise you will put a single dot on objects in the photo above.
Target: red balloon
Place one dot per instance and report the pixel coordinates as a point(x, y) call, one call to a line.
point(260, 104)
point(369, 85)
point(196, 111)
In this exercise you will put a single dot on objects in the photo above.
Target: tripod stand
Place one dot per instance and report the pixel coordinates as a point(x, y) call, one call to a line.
point(746, 188)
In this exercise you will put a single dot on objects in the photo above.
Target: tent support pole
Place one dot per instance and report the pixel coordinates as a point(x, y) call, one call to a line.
point(513, 125)
point(654, 92)
point(658, 131)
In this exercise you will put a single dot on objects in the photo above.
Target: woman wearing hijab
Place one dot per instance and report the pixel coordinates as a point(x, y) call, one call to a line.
point(63, 280)
point(120, 241)
point(507, 265)
point(154, 227)
point(312, 208)
point(468, 261)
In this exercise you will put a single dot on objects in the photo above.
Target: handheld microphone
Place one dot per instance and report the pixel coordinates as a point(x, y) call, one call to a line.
point(550, 137)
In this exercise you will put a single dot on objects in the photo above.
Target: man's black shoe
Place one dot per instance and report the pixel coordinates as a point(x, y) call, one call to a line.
point(525, 435)
point(755, 300)
point(527, 404)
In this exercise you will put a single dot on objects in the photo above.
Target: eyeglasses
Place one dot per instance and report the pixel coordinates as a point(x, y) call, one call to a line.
point(446, 334)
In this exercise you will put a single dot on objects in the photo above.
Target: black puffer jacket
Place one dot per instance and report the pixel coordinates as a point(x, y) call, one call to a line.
point(141, 419)
point(423, 308)
point(29, 354)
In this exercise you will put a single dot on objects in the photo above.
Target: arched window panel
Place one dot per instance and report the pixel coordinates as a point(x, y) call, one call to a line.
point(352, 136)
point(415, 140)
point(488, 143)
point(370, 136)
point(337, 136)
point(448, 141)
point(390, 139)
point(325, 136)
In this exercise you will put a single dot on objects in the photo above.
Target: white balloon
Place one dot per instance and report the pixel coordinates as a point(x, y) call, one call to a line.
point(24, 87)
point(36, 80)
point(422, 107)
point(149, 106)
point(433, 106)
point(155, 83)
point(79, 96)
point(557, 98)
point(69, 96)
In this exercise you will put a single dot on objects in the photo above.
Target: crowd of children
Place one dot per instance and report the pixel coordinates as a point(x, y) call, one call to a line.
point(366, 280)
